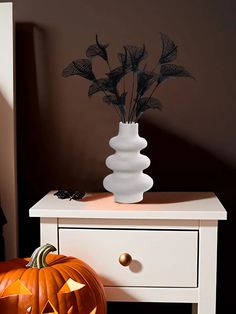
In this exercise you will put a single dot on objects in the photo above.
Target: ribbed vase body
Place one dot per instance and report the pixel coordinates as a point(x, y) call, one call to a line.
point(127, 182)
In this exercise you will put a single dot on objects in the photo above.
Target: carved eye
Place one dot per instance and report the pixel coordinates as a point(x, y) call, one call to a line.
point(71, 285)
point(29, 310)
point(16, 288)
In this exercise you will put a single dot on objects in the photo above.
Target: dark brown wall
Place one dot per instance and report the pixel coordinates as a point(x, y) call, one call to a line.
point(202, 111)
point(63, 135)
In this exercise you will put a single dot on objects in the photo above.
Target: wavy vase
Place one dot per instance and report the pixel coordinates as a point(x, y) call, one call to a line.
point(127, 182)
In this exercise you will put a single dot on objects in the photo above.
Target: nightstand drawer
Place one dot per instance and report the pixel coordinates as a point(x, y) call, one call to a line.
point(160, 258)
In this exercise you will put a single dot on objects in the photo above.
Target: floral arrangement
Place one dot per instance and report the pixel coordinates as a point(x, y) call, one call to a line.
point(144, 82)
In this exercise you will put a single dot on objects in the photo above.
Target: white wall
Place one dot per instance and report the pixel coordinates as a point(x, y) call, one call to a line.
point(7, 130)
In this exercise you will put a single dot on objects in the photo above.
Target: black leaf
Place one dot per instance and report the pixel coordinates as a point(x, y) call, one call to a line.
point(124, 59)
point(145, 103)
point(121, 104)
point(145, 79)
point(122, 110)
point(110, 99)
point(97, 49)
point(136, 55)
point(122, 98)
point(115, 100)
point(99, 85)
point(169, 50)
point(118, 101)
point(116, 74)
point(81, 67)
point(172, 70)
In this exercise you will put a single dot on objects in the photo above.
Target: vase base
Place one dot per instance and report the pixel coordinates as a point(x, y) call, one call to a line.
point(128, 199)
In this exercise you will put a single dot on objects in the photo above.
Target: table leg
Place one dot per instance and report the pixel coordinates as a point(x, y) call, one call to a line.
point(207, 267)
point(194, 308)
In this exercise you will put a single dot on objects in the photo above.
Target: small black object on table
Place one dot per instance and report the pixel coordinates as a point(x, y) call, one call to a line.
point(72, 195)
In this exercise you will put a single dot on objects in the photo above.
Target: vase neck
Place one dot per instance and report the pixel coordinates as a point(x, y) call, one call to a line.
point(128, 129)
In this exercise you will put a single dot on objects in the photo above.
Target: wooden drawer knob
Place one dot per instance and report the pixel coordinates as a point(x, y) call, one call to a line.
point(125, 259)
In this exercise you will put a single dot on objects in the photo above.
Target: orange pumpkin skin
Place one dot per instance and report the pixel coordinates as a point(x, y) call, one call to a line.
point(31, 290)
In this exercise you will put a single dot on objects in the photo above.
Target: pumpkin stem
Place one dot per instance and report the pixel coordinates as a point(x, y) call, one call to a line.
point(38, 258)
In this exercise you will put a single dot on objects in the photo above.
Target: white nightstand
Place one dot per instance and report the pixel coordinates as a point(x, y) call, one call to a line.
point(170, 236)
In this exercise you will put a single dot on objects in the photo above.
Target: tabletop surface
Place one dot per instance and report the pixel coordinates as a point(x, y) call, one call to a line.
point(155, 205)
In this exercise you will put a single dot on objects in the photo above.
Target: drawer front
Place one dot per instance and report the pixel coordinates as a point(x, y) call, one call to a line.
point(160, 258)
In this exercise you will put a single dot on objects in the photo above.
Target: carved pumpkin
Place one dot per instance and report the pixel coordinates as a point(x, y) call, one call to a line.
point(65, 285)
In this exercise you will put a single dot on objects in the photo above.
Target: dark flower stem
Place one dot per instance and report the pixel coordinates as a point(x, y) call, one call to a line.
point(124, 85)
point(137, 100)
point(117, 96)
point(118, 99)
point(109, 67)
point(131, 99)
point(134, 108)
point(152, 92)
point(148, 98)
point(117, 111)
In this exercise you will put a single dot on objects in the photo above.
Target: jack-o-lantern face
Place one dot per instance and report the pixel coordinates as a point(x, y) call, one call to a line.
point(16, 288)
point(66, 285)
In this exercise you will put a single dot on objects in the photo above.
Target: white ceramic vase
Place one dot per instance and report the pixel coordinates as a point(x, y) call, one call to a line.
point(127, 182)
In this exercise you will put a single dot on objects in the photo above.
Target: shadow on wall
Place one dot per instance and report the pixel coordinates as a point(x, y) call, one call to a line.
point(33, 177)
point(179, 165)
point(176, 165)
point(7, 177)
